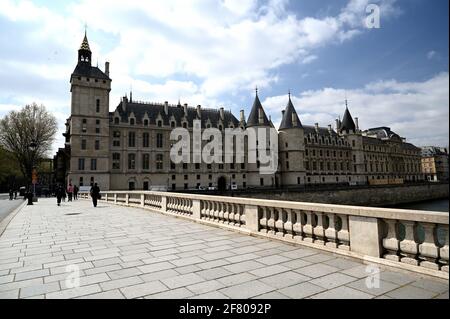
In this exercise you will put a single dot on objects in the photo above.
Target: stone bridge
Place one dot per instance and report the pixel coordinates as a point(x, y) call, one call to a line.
point(162, 245)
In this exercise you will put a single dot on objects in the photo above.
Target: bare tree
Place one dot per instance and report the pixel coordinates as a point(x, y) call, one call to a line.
point(28, 134)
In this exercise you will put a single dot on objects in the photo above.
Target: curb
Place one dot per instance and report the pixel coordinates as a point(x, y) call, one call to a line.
point(5, 222)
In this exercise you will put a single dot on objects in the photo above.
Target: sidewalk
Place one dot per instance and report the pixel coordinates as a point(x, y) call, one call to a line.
point(132, 253)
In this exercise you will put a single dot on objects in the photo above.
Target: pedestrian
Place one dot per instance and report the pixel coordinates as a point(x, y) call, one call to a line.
point(69, 192)
point(75, 192)
point(59, 194)
point(11, 194)
point(95, 194)
point(63, 192)
point(15, 194)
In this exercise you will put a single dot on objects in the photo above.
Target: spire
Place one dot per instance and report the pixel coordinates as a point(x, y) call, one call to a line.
point(257, 115)
point(347, 123)
point(85, 43)
point(290, 118)
point(84, 53)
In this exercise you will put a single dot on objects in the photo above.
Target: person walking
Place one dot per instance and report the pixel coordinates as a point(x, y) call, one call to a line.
point(95, 194)
point(69, 192)
point(11, 194)
point(63, 192)
point(59, 194)
point(75, 192)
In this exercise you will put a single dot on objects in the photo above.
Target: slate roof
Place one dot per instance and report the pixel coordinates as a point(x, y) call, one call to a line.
point(383, 133)
point(323, 131)
point(86, 70)
point(253, 119)
point(347, 122)
point(153, 110)
point(85, 43)
point(286, 121)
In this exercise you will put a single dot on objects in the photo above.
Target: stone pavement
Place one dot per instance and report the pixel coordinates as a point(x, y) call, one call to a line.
point(133, 253)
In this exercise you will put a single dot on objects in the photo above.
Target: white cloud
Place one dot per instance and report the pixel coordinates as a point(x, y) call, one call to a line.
point(409, 108)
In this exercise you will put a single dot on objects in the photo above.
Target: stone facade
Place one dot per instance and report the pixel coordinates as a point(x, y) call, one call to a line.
point(130, 147)
point(435, 163)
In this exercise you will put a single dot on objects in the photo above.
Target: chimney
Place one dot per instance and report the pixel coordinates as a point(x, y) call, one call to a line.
point(185, 108)
point(317, 127)
point(260, 116)
point(131, 97)
point(107, 68)
point(330, 129)
point(357, 124)
point(124, 103)
point(337, 125)
point(222, 113)
point(242, 116)
point(166, 108)
point(199, 111)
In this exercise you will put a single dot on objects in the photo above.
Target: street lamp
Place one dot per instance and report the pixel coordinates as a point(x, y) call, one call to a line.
point(32, 148)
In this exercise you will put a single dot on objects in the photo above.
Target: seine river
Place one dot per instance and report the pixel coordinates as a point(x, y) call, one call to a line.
point(438, 205)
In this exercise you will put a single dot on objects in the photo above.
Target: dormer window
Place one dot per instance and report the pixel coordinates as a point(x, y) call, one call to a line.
point(116, 120)
point(145, 122)
point(131, 121)
point(172, 124)
point(159, 123)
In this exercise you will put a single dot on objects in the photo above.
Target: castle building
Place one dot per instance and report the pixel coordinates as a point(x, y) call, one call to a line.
point(435, 163)
point(130, 147)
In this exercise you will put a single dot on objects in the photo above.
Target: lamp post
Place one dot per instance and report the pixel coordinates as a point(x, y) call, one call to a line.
point(32, 148)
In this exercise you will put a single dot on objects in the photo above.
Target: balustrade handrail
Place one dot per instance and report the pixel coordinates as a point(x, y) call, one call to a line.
point(375, 212)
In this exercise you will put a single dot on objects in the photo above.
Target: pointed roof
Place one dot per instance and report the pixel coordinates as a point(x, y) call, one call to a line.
point(253, 119)
point(85, 43)
point(347, 122)
point(289, 112)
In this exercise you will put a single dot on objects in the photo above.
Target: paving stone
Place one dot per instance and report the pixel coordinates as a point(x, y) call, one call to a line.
point(98, 270)
point(211, 295)
point(187, 261)
point(243, 266)
point(318, 258)
point(123, 273)
point(272, 260)
point(269, 271)
point(332, 280)
point(431, 285)
point(69, 268)
point(112, 294)
point(358, 272)
point(411, 292)
point(372, 288)
point(9, 294)
point(342, 263)
point(214, 273)
point(206, 286)
point(285, 279)
point(213, 264)
point(6, 279)
point(21, 284)
point(182, 280)
point(396, 278)
point(247, 290)
point(271, 295)
point(302, 290)
point(120, 283)
point(316, 271)
point(295, 264)
point(36, 290)
point(144, 289)
point(187, 269)
point(31, 274)
point(155, 267)
point(299, 253)
point(86, 280)
point(74, 292)
point(342, 292)
point(180, 293)
point(158, 275)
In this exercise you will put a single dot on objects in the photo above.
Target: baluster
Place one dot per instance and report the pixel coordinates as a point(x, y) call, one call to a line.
point(391, 243)
point(330, 232)
point(288, 225)
point(319, 230)
point(237, 216)
point(231, 214)
point(443, 251)
point(279, 223)
point(429, 251)
point(226, 213)
point(409, 249)
point(343, 234)
point(242, 216)
point(262, 211)
point(220, 214)
point(271, 221)
point(298, 226)
point(309, 227)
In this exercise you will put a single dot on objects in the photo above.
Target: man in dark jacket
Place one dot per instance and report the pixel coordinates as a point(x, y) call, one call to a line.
point(59, 194)
point(95, 194)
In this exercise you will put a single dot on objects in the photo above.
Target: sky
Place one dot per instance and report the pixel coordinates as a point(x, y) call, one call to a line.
point(215, 52)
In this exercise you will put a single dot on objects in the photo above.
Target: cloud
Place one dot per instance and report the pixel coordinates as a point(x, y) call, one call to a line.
point(409, 108)
point(432, 55)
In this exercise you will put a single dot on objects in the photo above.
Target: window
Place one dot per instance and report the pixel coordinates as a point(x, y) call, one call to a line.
point(116, 143)
point(145, 122)
point(197, 166)
point(97, 128)
point(145, 161)
point(287, 165)
point(185, 166)
point(146, 186)
point(185, 177)
point(198, 176)
point(261, 181)
point(131, 161)
point(159, 123)
point(159, 140)
point(93, 164)
point(116, 120)
point(159, 161)
point(172, 165)
point(131, 186)
point(172, 124)
point(83, 144)
point(131, 121)
point(81, 181)
point(145, 140)
point(184, 125)
point(84, 129)
point(116, 134)
point(97, 105)
point(81, 164)
point(131, 139)
point(116, 161)
point(174, 177)
point(97, 145)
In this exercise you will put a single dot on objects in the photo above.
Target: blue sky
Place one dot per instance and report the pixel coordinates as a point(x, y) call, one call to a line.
point(214, 53)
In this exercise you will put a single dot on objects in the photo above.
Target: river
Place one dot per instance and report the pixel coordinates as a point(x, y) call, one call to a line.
point(437, 205)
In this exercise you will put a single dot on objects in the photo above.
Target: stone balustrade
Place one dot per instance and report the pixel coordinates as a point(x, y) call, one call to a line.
point(409, 239)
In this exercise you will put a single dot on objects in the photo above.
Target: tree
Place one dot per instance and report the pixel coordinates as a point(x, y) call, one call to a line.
point(28, 134)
